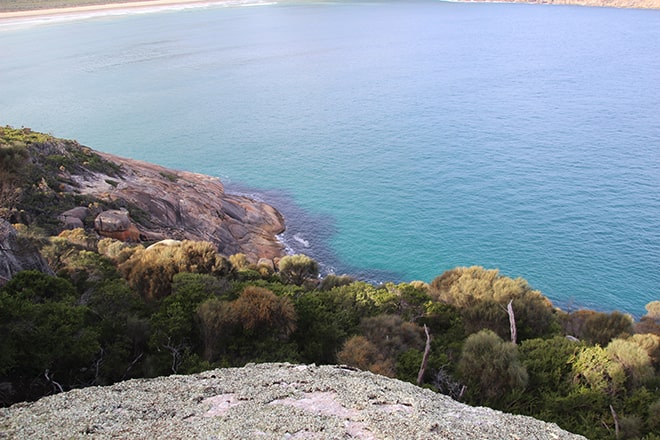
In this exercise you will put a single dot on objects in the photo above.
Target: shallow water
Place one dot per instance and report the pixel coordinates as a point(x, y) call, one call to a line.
point(400, 139)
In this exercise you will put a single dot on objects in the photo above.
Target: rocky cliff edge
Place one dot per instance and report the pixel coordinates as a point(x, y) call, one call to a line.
point(183, 205)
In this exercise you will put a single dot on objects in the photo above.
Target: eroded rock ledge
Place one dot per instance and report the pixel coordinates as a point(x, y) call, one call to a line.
point(269, 401)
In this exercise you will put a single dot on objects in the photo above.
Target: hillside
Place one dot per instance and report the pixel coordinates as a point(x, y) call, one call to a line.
point(88, 299)
point(58, 184)
point(266, 401)
point(636, 4)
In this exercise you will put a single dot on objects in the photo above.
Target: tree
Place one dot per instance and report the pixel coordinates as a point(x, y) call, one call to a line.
point(260, 311)
point(217, 321)
point(327, 318)
point(483, 295)
point(547, 364)
point(361, 353)
point(387, 337)
point(651, 344)
point(601, 328)
point(175, 328)
point(491, 368)
point(407, 300)
point(150, 271)
point(13, 158)
point(650, 323)
point(47, 344)
point(331, 281)
point(635, 361)
point(594, 369)
point(123, 327)
point(653, 310)
point(256, 326)
point(295, 269)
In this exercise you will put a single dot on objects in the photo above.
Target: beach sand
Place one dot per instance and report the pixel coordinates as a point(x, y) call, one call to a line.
point(113, 8)
point(102, 9)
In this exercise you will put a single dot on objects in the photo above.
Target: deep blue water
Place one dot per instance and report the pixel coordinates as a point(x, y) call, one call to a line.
point(399, 138)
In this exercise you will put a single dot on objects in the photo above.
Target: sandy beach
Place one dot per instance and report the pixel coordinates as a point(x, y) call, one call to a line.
point(102, 9)
point(113, 9)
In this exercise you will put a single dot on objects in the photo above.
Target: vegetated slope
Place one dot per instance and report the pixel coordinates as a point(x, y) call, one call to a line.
point(118, 310)
point(59, 184)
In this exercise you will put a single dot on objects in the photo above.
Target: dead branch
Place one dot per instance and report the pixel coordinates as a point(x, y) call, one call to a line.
point(132, 364)
point(425, 358)
point(59, 387)
point(615, 416)
point(512, 322)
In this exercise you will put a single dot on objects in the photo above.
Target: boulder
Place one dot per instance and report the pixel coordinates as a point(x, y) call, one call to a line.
point(73, 218)
point(116, 224)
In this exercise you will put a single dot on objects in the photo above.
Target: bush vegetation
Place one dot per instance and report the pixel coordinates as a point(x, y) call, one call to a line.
point(116, 311)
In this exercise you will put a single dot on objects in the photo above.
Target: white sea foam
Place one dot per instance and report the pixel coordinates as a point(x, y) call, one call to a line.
point(301, 240)
point(285, 242)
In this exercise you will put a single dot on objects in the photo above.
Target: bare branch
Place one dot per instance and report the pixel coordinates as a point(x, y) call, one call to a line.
point(425, 359)
point(512, 322)
point(59, 387)
point(615, 416)
point(135, 361)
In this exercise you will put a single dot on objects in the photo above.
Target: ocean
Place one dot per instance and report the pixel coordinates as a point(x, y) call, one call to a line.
point(399, 138)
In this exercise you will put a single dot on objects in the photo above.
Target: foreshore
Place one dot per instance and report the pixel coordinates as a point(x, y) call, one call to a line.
point(102, 9)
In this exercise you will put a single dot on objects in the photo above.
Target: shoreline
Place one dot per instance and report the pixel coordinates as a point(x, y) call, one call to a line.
point(106, 9)
point(103, 9)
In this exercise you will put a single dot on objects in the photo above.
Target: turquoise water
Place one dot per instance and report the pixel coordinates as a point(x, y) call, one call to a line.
point(400, 139)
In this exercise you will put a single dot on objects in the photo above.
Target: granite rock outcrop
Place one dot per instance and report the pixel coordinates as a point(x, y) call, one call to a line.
point(181, 205)
point(266, 401)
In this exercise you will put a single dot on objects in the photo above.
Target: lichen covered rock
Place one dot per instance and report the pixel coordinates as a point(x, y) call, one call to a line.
point(266, 401)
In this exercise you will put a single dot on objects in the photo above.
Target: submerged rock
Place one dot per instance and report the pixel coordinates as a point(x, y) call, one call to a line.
point(266, 401)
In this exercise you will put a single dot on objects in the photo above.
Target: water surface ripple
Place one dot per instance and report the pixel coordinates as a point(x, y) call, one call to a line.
point(400, 138)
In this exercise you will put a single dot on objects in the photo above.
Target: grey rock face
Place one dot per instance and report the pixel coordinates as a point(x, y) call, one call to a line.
point(266, 401)
point(17, 255)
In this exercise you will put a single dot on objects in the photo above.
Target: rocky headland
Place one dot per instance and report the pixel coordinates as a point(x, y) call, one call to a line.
point(266, 401)
point(58, 184)
point(632, 4)
point(182, 205)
